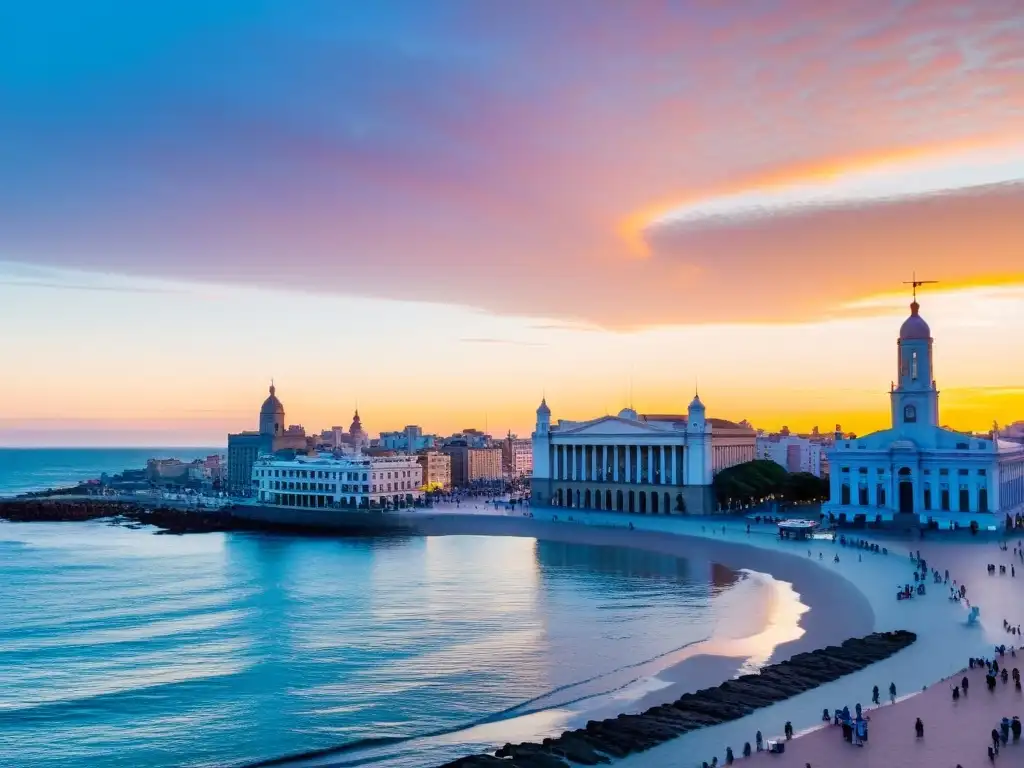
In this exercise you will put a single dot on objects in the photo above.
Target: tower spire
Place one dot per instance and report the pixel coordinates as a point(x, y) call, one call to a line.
point(914, 283)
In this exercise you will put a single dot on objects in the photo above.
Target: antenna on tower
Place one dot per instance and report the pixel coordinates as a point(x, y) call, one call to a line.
point(631, 393)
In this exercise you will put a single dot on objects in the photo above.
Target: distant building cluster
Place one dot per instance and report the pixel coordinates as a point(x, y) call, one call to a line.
point(467, 458)
point(796, 453)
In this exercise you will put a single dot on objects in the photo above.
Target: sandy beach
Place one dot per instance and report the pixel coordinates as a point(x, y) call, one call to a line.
point(849, 598)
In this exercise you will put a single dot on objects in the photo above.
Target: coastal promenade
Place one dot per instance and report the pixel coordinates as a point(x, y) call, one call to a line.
point(945, 640)
point(955, 732)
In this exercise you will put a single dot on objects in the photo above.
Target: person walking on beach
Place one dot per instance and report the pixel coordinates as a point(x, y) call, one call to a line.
point(759, 740)
point(892, 693)
point(919, 728)
point(874, 695)
point(963, 684)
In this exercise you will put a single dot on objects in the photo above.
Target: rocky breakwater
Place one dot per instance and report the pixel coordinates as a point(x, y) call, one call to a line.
point(600, 742)
point(170, 520)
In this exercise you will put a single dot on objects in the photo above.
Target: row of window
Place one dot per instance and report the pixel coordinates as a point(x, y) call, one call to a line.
point(322, 475)
point(944, 498)
point(943, 472)
point(285, 485)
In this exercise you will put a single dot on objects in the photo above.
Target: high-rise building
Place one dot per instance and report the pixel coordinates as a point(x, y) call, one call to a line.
point(437, 468)
point(471, 465)
point(517, 456)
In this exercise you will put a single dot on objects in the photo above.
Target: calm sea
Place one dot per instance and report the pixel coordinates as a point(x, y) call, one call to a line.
point(121, 647)
point(36, 469)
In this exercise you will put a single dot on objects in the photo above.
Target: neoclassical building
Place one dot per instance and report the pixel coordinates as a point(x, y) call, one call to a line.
point(918, 468)
point(632, 462)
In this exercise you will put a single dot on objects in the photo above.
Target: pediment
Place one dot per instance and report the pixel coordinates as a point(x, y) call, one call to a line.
point(608, 426)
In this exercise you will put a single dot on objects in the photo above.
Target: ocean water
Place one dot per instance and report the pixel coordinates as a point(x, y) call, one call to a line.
point(36, 469)
point(121, 647)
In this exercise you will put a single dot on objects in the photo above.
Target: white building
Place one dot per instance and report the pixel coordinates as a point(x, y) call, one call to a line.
point(351, 482)
point(917, 467)
point(633, 462)
point(794, 452)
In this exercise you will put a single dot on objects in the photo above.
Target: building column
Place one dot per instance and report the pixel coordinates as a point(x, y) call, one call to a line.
point(661, 454)
point(593, 463)
point(604, 464)
point(627, 463)
point(615, 463)
point(639, 457)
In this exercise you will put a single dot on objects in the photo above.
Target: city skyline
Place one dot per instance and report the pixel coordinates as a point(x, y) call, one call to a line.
point(443, 212)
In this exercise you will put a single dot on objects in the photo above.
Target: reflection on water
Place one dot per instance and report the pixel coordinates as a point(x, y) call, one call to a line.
point(119, 647)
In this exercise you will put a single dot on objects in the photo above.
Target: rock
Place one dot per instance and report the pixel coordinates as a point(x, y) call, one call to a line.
point(620, 736)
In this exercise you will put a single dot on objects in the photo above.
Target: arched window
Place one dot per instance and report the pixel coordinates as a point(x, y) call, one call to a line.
point(909, 414)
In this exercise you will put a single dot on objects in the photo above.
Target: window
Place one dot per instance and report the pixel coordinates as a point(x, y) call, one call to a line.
point(881, 470)
point(982, 472)
point(863, 470)
point(909, 414)
point(962, 446)
point(913, 365)
point(846, 470)
point(943, 471)
point(962, 472)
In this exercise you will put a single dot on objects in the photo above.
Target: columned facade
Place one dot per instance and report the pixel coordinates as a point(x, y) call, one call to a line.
point(917, 469)
point(636, 463)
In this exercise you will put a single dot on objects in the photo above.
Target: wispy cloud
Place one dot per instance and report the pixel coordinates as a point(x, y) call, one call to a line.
point(85, 287)
point(510, 342)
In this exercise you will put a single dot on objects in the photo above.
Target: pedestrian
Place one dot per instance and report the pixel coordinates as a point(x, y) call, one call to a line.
point(963, 684)
point(919, 728)
point(892, 692)
point(759, 740)
point(874, 695)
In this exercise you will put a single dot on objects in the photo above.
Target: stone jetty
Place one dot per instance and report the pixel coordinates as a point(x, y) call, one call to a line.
point(171, 520)
point(600, 742)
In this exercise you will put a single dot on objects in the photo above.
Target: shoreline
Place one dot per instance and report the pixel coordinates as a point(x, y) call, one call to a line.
point(945, 639)
point(837, 594)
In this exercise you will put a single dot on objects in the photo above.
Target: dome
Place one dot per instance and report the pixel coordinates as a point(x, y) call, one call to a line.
point(696, 403)
point(543, 408)
point(357, 425)
point(914, 327)
point(272, 405)
point(628, 413)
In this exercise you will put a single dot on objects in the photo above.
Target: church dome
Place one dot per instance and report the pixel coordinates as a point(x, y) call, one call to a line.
point(272, 406)
point(696, 403)
point(628, 413)
point(543, 409)
point(357, 424)
point(914, 327)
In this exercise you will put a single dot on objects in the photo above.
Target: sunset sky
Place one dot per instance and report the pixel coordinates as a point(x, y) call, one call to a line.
point(444, 210)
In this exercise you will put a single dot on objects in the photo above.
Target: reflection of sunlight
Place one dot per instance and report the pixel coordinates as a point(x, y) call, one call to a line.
point(745, 631)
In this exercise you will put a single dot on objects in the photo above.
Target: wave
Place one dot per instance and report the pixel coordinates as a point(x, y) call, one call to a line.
point(521, 709)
